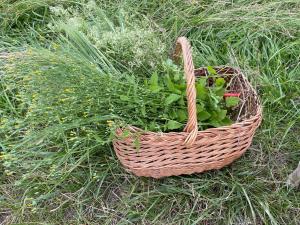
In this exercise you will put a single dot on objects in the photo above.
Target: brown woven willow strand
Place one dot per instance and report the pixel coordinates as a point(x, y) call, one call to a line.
point(191, 151)
point(182, 45)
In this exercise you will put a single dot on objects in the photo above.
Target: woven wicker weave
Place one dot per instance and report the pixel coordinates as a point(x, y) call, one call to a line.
point(192, 151)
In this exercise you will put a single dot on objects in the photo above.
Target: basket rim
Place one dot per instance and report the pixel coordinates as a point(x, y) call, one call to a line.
point(209, 130)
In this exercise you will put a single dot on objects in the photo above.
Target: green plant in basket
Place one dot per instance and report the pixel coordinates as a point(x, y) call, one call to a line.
point(212, 107)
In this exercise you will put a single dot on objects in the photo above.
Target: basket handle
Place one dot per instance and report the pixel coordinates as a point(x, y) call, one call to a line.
point(183, 46)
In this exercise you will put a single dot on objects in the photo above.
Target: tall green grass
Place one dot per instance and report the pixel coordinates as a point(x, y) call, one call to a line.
point(64, 173)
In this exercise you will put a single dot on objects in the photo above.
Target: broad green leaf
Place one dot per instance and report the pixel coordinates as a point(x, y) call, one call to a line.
point(232, 101)
point(203, 115)
point(211, 70)
point(172, 114)
point(153, 126)
point(154, 79)
point(169, 62)
point(173, 125)
point(182, 115)
point(181, 87)
point(214, 100)
point(219, 91)
point(220, 82)
point(221, 114)
point(202, 81)
point(200, 107)
point(214, 123)
point(172, 98)
point(155, 89)
point(171, 85)
point(201, 91)
point(214, 115)
point(226, 121)
point(181, 101)
point(177, 76)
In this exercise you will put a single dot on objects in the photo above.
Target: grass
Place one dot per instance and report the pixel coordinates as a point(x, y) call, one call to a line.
point(56, 168)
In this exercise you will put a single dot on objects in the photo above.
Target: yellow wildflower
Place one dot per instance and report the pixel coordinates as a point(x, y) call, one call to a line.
point(9, 173)
point(69, 90)
point(55, 46)
point(85, 114)
point(110, 123)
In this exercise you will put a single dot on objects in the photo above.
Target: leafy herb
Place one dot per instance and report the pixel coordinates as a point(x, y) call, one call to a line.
point(212, 109)
point(232, 101)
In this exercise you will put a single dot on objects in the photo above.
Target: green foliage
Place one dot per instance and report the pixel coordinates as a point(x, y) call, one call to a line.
point(232, 101)
point(211, 107)
point(172, 98)
point(173, 125)
point(110, 40)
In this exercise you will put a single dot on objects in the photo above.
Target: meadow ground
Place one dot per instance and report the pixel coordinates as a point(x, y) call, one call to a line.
point(57, 165)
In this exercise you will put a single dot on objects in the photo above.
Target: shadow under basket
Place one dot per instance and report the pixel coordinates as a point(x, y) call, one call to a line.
point(191, 151)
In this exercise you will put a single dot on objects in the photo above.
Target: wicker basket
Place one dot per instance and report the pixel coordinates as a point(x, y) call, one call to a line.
point(192, 151)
